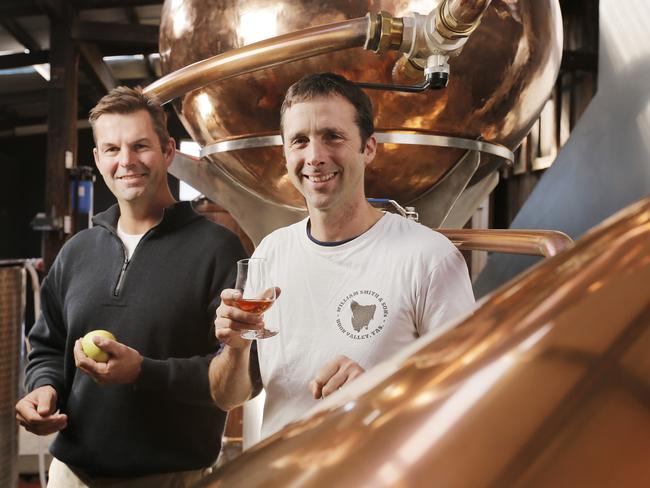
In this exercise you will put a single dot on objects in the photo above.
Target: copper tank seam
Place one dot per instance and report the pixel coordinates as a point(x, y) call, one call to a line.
point(383, 137)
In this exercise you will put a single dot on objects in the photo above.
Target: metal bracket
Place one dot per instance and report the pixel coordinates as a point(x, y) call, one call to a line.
point(435, 205)
point(46, 223)
point(255, 215)
point(387, 204)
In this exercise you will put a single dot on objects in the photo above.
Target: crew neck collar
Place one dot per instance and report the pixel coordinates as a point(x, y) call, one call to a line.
point(334, 244)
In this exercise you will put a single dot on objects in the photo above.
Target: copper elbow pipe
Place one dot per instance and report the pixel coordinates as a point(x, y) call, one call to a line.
point(260, 55)
point(545, 243)
point(458, 18)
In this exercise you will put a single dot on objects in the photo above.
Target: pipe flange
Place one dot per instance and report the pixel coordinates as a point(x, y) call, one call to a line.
point(373, 32)
point(449, 26)
point(384, 33)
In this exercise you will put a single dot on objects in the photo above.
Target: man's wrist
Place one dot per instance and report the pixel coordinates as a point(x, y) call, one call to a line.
point(42, 387)
point(139, 368)
point(238, 352)
point(44, 382)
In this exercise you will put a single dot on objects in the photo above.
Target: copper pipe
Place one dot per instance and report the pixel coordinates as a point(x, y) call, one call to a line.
point(532, 242)
point(458, 18)
point(260, 55)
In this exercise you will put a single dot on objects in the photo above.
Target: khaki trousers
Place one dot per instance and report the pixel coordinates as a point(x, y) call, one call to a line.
point(61, 476)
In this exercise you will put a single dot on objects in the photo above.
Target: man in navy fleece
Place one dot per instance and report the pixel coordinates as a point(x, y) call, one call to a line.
point(150, 271)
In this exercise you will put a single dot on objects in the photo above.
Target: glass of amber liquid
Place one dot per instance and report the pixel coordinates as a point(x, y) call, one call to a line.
point(258, 294)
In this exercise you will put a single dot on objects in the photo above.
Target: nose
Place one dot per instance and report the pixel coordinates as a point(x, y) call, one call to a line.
point(125, 157)
point(316, 153)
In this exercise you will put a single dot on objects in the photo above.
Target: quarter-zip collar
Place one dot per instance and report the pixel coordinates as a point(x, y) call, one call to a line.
point(174, 216)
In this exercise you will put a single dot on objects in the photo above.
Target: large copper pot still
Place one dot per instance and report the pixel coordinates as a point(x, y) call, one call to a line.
point(498, 84)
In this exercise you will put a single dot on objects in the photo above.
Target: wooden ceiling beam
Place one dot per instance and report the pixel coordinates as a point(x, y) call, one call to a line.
point(90, 4)
point(131, 15)
point(115, 33)
point(19, 33)
point(19, 60)
point(133, 18)
point(98, 70)
point(19, 8)
point(29, 97)
point(23, 8)
point(128, 50)
point(59, 9)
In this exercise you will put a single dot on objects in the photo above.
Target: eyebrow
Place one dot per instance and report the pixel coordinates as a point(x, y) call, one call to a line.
point(142, 139)
point(321, 131)
point(291, 137)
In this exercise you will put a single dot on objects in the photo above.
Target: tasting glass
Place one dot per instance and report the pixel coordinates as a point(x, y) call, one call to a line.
point(258, 294)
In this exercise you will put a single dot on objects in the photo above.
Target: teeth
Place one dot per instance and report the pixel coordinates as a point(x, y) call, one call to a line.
point(319, 179)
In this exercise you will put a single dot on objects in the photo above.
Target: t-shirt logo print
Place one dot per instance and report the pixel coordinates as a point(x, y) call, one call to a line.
point(361, 315)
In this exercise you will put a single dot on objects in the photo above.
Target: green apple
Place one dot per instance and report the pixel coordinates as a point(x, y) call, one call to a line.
point(89, 347)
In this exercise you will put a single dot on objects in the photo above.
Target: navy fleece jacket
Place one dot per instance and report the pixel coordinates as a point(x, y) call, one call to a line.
point(162, 303)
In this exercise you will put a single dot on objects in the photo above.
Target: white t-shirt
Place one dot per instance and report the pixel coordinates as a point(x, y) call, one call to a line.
point(365, 299)
point(130, 241)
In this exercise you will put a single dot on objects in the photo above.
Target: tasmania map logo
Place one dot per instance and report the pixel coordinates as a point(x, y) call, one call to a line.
point(361, 314)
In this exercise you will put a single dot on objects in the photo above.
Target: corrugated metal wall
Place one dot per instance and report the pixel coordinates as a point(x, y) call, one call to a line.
point(12, 309)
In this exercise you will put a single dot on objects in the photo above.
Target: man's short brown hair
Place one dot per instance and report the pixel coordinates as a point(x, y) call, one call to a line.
point(125, 100)
point(329, 84)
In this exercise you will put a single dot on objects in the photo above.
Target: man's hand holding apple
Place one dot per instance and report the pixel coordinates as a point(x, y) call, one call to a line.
point(123, 366)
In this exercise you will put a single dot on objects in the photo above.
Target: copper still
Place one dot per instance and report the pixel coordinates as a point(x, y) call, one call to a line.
point(499, 80)
point(545, 384)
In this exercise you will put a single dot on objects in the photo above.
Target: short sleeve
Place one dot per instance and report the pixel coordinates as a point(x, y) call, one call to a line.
point(445, 295)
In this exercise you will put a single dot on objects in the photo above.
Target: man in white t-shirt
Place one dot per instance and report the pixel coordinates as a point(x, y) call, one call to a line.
point(357, 285)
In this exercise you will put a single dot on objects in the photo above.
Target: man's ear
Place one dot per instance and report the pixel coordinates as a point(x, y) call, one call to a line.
point(170, 151)
point(96, 156)
point(370, 149)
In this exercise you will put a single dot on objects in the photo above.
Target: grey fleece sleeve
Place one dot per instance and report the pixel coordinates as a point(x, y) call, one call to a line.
point(186, 379)
point(48, 341)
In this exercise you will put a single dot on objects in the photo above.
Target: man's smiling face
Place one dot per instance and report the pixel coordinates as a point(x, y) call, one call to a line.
point(129, 156)
point(322, 148)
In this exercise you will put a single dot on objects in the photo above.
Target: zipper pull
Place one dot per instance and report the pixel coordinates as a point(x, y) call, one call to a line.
point(121, 278)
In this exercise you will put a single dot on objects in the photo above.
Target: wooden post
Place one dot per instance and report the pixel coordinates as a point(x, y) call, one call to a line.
point(62, 126)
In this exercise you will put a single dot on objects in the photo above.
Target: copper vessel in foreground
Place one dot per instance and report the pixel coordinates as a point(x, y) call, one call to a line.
point(547, 383)
point(498, 85)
